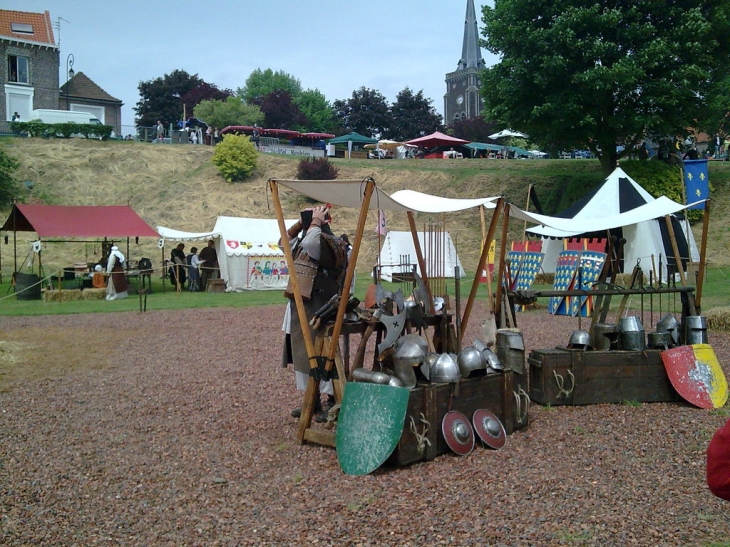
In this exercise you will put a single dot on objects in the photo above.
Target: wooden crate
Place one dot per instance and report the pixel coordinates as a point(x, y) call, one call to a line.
point(216, 285)
point(560, 376)
point(431, 402)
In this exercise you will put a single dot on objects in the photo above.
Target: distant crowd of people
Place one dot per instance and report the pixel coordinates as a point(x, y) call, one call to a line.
point(193, 271)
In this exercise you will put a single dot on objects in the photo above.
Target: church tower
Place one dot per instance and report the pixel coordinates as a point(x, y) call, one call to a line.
point(462, 99)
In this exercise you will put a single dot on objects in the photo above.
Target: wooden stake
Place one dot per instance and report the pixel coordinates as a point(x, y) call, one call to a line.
point(703, 251)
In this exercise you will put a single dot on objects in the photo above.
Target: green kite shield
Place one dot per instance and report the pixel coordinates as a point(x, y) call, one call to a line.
point(696, 375)
point(369, 425)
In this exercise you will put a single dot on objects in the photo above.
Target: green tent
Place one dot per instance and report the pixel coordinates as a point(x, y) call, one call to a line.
point(354, 137)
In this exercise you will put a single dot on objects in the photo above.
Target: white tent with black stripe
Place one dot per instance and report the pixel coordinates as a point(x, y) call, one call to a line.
point(643, 225)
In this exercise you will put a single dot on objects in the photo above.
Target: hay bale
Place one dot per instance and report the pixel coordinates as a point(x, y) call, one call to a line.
point(93, 294)
point(718, 319)
point(66, 295)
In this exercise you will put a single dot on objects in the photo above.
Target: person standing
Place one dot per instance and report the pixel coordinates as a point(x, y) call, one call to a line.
point(209, 265)
point(116, 287)
point(160, 132)
point(177, 267)
point(193, 272)
point(319, 274)
point(16, 117)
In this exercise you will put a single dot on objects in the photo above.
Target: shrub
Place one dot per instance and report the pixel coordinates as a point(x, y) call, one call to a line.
point(235, 157)
point(8, 184)
point(316, 169)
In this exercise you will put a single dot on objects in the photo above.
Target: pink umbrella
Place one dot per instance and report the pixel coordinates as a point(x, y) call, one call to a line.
point(437, 139)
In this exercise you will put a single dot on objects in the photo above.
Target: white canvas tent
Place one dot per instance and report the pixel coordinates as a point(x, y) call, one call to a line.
point(620, 203)
point(248, 252)
point(398, 255)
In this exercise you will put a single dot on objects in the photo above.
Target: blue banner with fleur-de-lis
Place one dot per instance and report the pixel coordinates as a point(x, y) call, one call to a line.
point(696, 182)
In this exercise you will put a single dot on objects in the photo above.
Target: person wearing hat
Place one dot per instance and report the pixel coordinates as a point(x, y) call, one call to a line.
point(718, 463)
point(117, 286)
point(98, 281)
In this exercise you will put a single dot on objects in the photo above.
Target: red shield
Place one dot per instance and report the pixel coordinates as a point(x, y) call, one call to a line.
point(696, 375)
point(458, 433)
point(489, 429)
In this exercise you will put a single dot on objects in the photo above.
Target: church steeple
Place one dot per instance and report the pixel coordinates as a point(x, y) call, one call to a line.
point(471, 53)
point(462, 99)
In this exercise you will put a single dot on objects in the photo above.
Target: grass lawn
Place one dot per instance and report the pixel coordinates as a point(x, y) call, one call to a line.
point(715, 294)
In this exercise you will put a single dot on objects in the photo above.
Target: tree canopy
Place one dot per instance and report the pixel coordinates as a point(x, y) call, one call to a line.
point(161, 98)
point(232, 111)
point(600, 74)
point(410, 114)
point(366, 112)
point(260, 83)
point(318, 112)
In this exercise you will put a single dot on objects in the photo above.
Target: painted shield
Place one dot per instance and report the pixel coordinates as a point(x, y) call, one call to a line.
point(369, 425)
point(696, 375)
point(489, 429)
point(458, 432)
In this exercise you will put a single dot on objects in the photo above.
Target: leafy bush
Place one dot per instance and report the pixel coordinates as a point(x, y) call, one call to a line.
point(235, 157)
point(316, 169)
point(36, 128)
point(8, 184)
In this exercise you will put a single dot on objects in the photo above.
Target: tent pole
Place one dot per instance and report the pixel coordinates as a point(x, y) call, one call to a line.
point(675, 250)
point(480, 267)
point(703, 250)
point(421, 262)
point(527, 208)
point(305, 419)
point(498, 311)
point(15, 238)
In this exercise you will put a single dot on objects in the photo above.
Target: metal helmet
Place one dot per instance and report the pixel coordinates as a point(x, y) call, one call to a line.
point(492, 360)
point(470, 359)
point(428, 363)
point(410, 349)
point(579, 339)
point(445, 369)
point(669, 324)
point(481, 346)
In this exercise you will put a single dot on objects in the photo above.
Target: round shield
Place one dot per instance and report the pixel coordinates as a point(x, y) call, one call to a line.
point(458, 433)
point(489, 428)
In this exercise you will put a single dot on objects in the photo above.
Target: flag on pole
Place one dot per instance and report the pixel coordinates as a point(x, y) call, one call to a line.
point(381, 227)
point(696, 182)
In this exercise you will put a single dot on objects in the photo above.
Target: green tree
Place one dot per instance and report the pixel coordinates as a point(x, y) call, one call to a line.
point(235, 157)
point(318, 111)
point(473, 129)
point(410, 114)
point(260, 83)
point(280, 112)
point(600, 74)
point(161, 98)
point(8, 184)
point(203, 92)
point(365, 112)
point(232, 111)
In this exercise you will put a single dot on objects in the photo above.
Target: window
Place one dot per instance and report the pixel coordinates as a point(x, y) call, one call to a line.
point(21, 28)
point(18, 69)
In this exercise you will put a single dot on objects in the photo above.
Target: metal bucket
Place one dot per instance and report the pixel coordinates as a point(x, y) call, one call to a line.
point(695, 329)
point(27, 286)
point(511, 349)
point(604, 336)
point(659, 340)
point(632, 337)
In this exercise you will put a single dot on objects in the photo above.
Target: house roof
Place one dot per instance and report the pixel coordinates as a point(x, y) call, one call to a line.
point(77, 221)
point(82, 87)
point(27, 27)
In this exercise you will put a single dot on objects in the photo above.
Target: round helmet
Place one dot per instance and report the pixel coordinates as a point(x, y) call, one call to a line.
point(470, 359)
point(428, 363)
point(445, 369)
point(579, 339)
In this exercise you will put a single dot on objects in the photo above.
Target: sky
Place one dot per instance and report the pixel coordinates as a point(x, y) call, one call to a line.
point(335, 46)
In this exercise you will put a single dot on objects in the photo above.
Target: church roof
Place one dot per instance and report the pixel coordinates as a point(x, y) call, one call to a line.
point(471, 53)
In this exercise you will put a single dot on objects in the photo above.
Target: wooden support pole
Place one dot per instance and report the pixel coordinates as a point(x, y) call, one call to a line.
point(421, 261)
point(481, 266)
point(675, 250)
point(498, 311)
point(703, 252)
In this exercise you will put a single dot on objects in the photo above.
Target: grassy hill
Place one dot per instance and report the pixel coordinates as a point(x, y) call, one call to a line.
point(177, 186)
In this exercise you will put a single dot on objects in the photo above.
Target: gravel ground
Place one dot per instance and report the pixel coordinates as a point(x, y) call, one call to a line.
point(173, 428)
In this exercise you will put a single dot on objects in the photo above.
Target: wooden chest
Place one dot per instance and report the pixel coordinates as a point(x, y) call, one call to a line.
point(560, 376)
point(428, 403)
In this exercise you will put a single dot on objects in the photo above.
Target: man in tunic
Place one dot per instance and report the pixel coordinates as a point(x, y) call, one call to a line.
point(117, 285)
point(209, 264)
